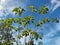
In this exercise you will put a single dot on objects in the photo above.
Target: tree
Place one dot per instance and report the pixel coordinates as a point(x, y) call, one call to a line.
point(27, 20)
point(5, 28)
point(31, 34)
point(23, 28)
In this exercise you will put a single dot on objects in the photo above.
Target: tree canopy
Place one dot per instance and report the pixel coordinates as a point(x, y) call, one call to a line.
point(23, 29)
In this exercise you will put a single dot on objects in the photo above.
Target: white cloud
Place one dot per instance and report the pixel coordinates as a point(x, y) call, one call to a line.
point(2, 1)
point(46, 40)
point(58, 26)
point(53, 1)
point(51, 33)
point(56, 4)
point(1, 7)
point(57, 41)
point(6, 6)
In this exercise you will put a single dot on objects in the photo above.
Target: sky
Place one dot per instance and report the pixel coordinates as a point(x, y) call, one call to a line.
point(51, 31)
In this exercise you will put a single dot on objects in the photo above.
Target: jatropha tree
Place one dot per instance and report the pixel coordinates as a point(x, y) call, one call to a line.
point(26, 21)
point(6, 26)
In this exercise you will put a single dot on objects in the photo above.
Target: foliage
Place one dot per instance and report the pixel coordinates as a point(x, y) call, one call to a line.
point(43, 10)
point(33, 9)
point(7, 27)
point(18, 10)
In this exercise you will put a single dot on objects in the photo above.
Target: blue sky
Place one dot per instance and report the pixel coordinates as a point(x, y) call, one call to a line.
point(51, 31)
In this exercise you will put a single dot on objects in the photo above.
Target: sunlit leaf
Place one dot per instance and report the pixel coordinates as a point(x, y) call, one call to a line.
point(18, 10)
point(33, 9)
point(38, 24)
point(43, 10)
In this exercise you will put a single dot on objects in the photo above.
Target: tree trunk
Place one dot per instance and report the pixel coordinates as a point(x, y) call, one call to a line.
point(31, 42)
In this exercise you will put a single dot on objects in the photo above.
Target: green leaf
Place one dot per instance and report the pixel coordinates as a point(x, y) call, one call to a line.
point(18, 11)
point(43, 10)
point(38, 24)
point(19, 36)
point(46, 20)
point(35, 34)
point(33, 9)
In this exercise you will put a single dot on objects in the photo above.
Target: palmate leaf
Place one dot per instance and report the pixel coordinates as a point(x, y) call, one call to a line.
point(46, 20)
point(9, 22)
point(55, 20)
point(30, 18)
point(18, 10)
point(17, 20)
point(25, 33)
point(35, 34)
point(19, 28)
point(38, 24)
point(26, 20)
point(43, 10)
point(33, 9)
